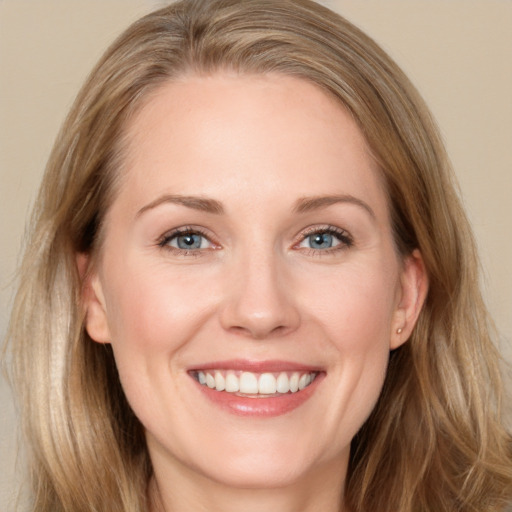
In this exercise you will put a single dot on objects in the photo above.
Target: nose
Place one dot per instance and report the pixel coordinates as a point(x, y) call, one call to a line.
point(259, 298)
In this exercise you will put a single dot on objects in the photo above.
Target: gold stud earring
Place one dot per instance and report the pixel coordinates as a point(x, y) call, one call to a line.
point(399, 330)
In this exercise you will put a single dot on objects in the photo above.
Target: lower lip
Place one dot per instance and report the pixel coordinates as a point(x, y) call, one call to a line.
point(260, 406)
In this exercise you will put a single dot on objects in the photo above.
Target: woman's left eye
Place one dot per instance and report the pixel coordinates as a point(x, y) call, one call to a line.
point(322, 240)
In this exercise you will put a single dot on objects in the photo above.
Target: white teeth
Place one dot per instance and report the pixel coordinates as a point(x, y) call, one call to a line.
point(219, 382)
point(248, 383)
point(210, 381)
point(267, 384)
point(232, 382)
point(283, 383)
point(252, 384)
point(294, 382)
point(303, 381)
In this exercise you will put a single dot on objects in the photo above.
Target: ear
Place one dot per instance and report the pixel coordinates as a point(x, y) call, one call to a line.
point(93, 301)
point(411, 297)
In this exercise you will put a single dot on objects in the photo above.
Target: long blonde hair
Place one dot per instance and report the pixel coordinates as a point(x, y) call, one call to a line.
point(435, 441)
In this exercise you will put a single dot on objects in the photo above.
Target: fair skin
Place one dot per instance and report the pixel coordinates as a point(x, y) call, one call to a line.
point(283, 263)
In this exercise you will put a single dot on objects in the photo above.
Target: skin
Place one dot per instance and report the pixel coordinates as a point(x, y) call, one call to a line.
point(255, 290)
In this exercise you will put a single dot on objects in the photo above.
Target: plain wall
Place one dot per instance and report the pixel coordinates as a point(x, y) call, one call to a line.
point(457, 52)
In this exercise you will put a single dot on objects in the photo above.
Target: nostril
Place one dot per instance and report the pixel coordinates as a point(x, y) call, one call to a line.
point(260, 332)
point(258, 304)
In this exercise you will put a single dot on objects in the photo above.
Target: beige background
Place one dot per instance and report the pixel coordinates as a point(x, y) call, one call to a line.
point(457, 52)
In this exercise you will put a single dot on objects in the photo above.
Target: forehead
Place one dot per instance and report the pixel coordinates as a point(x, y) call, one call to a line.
point(215, 133)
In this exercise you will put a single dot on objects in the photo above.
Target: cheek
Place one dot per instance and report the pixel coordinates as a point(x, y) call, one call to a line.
point(355, 305)
point(356, 314)
point(152, 315)
point(154, 310)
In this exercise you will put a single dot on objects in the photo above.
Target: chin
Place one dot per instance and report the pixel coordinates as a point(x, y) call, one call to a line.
point(262, 473)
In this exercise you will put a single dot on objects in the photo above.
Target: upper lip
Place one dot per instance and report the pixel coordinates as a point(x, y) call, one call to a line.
point(245, 365)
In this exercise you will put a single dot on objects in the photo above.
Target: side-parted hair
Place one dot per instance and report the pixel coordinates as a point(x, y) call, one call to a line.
point(436, 440)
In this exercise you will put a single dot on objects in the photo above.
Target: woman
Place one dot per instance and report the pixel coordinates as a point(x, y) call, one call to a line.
point(250, 282)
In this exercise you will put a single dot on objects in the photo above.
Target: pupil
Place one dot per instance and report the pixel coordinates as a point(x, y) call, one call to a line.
point(189, 241)
point(322, 241)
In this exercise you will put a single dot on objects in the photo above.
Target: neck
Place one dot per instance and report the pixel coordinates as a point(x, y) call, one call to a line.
point(185, 491)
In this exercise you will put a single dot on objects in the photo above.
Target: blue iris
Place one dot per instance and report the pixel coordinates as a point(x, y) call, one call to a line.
point(321, 241)
point(189, 241)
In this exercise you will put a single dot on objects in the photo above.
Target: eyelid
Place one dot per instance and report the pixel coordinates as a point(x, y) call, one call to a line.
point(163, 240)
point(345, 238)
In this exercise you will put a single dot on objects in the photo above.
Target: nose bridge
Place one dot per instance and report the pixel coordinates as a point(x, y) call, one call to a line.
point(259, 302)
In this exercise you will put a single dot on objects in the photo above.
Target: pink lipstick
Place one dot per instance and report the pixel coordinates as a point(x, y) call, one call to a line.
point(257, 388)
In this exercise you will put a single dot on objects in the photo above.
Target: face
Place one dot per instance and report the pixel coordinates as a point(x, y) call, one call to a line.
point(248, 281)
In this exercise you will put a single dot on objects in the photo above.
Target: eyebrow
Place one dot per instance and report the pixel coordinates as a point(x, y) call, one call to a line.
point(195, 202)
point(308, 204)
point(302, 205)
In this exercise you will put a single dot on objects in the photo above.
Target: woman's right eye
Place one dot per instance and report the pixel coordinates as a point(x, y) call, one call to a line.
point(189, 240)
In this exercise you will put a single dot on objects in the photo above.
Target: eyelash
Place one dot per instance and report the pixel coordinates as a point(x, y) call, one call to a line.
point(345, 239)
point(165, 240)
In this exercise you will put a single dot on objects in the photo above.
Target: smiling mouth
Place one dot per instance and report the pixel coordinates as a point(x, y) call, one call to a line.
point(255, 385)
